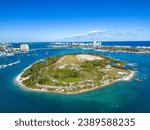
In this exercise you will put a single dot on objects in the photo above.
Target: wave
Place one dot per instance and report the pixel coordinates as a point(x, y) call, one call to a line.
point(6, 54)
point(132, 64)
point(11, 64)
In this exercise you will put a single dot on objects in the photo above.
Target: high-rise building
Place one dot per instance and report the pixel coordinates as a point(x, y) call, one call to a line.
point(97, 44)
point(24, 47)
point(100, 43)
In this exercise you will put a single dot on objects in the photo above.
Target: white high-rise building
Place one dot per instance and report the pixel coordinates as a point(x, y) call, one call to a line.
point(24, 47)
point(97, 44)
point(100, 43)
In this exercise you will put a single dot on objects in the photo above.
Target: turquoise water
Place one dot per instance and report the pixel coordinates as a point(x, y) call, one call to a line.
point(124, 96)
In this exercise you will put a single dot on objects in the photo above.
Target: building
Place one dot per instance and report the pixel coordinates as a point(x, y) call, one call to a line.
point(100, 43)
point(96, 44)
point(24, 47)
point(108, 66)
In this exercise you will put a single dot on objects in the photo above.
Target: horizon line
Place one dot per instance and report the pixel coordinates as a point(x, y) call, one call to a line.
point(75, 41)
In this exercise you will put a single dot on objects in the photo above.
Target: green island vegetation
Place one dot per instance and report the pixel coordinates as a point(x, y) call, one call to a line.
point(73, 73)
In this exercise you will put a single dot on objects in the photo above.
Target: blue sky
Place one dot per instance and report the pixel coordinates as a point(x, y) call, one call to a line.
point(74, 20)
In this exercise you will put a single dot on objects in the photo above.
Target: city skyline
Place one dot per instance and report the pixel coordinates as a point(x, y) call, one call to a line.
point(74, 20)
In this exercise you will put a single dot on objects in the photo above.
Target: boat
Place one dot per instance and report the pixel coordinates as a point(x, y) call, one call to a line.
point(138, 79)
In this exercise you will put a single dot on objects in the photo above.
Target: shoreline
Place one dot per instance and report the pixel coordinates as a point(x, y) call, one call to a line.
point(100, 50)
point(19, 81)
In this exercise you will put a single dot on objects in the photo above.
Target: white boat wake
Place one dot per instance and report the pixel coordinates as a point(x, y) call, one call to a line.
point(8, 65)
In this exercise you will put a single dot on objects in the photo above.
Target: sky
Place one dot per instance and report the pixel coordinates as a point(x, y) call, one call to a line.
point(74, 20)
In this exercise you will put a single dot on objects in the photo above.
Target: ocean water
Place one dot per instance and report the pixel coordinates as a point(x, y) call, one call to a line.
point(124, 96)
point(124, 43)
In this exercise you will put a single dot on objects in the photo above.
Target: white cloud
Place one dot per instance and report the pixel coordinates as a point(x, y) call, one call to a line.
point(97, 31)
point(93, 31)
point(105, 35)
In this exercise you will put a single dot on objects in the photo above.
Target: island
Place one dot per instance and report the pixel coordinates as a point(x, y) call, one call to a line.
point(73, 73)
